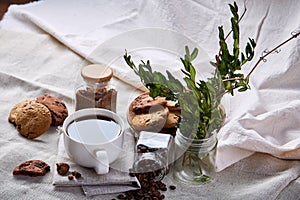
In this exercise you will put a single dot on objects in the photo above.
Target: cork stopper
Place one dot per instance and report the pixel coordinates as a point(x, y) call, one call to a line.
point(96, 73)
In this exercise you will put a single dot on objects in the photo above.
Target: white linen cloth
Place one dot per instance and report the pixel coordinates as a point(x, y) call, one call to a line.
point(33, 63)
point(264, 119)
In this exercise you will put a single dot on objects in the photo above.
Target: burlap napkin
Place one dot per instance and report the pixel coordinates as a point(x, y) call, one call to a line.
point(117, 180)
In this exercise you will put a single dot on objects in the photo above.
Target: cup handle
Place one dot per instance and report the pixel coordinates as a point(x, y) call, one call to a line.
point(103, 163)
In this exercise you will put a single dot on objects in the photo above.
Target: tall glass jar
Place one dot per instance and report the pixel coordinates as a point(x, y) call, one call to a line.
point(97, 92)
point(194, 159)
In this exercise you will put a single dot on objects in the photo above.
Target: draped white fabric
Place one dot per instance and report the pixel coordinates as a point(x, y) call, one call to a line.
point(264, 119)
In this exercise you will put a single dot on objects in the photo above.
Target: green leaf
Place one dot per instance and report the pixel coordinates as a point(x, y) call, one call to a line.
point(252, 42)
point(185, 64)
point(213, 63)
point(221, 34)
point(190, 83)
point(235, 28)
point(247, 79)
point(192, 72)
point(249, 52)
point(243, 89)
point(194, 54)
point(232, 9)
point(148, 67)
point(243, 59)
point(236, 49)
point(187, 54)
point(185, 73)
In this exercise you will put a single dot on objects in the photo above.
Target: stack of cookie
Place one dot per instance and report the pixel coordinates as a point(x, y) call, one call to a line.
point(33, 117)
point(153, 114)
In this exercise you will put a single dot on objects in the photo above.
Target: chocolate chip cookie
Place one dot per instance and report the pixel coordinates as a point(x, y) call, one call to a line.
point(18, 108)
point(152, 121)
point(144, 102)
point(172, 119)
point(32, 119)
point(32, 168)
point(173, 105)
point(58, 109)
point(154, 114)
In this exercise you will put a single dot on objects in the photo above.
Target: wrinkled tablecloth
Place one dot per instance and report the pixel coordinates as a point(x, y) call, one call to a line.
point(45, 44)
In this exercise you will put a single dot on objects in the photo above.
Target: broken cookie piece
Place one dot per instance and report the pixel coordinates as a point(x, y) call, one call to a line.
point(32, 168)
point(62, 168)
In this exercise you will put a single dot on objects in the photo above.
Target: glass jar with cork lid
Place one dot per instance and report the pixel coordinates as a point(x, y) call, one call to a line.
point(97, 91)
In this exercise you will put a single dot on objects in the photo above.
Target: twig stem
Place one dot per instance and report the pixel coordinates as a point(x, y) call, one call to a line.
point(268, 53)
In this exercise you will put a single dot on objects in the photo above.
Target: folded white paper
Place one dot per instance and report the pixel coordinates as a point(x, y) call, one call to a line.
point(154, 140)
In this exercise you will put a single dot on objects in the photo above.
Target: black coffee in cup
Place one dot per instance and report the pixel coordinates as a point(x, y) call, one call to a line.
point(93, 129)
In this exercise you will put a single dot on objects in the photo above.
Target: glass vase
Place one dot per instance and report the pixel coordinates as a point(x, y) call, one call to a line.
point(194, 159)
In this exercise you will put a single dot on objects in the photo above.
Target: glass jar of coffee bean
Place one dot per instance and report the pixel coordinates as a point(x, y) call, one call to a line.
point(151, 164)
point(97, 91)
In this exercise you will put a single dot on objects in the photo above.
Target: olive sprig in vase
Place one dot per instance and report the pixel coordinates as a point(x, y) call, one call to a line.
point(202, 115)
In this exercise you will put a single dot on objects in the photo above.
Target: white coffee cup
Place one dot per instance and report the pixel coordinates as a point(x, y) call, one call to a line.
point(92, 142)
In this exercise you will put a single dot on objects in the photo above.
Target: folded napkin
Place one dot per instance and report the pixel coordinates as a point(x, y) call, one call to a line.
point(117, 180)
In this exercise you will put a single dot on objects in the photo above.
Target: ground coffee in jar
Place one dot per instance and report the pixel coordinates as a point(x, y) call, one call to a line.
point(97, 92)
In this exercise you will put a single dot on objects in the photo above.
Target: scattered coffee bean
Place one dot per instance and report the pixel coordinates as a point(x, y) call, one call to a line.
point(70, 177)
point(144, 149)
point(62, 168)
point(76, 174)
point(121, 196)
point(150, 187)
point(172, 187)
point(150, 167)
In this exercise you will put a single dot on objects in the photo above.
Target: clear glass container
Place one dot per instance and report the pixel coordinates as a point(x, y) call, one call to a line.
point(97, 92)
point(194, 159)
point(150, 163)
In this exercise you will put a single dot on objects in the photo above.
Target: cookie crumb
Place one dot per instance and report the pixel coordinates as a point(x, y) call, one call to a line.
point(62, 168)
point(70, 177)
